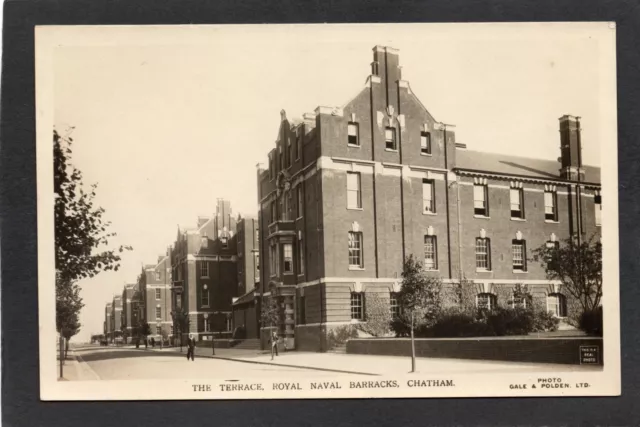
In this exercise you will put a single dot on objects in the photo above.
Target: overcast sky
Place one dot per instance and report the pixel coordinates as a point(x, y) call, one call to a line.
point(166, 121)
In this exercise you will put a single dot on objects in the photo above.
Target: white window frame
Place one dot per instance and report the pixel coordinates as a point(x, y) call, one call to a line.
point(430, 248)
point(390, 136)
point(356, 243)
point(205, 297)
point(481, 203)
point(287, 254)
point(356, 127)
point(204, 269)
point(486, 246)
point(354, 189)
point(521, 266)
point(357, 306)
point(597, 201)
point(559, 304)
point(158, 293)
point(491, 300)
point(550, 206)
point(158, 312)
point(516, 203)
point(425, 143)
point(428, 196)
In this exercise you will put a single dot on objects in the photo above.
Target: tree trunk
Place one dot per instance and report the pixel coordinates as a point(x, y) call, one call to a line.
point(413, 347)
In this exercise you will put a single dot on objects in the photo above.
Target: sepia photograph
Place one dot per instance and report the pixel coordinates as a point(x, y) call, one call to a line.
point(327, 211)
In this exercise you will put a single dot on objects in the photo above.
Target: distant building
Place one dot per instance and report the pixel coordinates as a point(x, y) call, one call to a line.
point(107, 321)
point(205, 276)
point(154, 283)
point(246, 306)
point(116, 316)
point(350, 191)
point(129, 312)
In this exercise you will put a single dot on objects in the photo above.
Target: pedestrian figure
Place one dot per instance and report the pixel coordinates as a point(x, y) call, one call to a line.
point(153, 343)
point(146, 343)
point(274, 344)
point(191, 347)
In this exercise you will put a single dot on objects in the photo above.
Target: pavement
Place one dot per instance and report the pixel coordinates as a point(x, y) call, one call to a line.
point(127, 362)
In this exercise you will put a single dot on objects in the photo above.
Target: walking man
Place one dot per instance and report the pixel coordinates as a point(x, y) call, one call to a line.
point(191, 346)
point(274, 344)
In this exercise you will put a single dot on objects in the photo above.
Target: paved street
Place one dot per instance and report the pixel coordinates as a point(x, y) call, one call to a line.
point(92, 362)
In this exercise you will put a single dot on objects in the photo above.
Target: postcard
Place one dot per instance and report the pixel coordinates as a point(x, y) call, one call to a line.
point(327, 211)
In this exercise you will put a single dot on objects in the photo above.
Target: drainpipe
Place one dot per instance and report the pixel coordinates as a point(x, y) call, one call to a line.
point(459, 231)
point(402, 177)
point(446, 186)
point(373, 158)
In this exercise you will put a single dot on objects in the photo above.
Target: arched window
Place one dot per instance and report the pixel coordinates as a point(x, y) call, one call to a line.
point(557, 304)
point(486, 301)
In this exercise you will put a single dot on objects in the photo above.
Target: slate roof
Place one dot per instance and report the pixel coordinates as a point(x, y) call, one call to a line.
point(516, 166)
point(248, 297)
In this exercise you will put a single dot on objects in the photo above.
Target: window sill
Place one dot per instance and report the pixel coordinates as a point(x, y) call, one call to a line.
point(354, 209)
point(598, 225)
point(518, 219)
point(356, 268)
point(353, 145)
point(431, 269)
point(519, 272)
point(299, 218)
point(426, 154)
point(391, 150)
point(481, 216)
point(357, 321)
point(483, 270)
point(288, 274)
point(429, 213)
point(204, 277)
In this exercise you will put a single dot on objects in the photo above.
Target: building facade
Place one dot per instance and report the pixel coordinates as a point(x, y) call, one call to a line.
point(107, 321)
point(154, 283)
point(116, 317)
point(246, 306)
point(205, 276)
point(350, 191)
point(130, 313)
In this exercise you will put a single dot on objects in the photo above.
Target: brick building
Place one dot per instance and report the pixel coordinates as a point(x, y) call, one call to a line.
point(116, 317)
point(130, 312)
point(245, 307)
point(107, 321)
point(350, 191)
point(205, 275)
point(154, 283)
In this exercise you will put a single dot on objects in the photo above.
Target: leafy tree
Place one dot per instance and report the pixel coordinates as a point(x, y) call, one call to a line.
point(578, 266)
point(81, 236)
point(270, 313)
point(419, 298)
point(377, 314)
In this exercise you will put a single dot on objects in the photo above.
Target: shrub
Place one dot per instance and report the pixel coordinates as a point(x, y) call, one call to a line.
point(341, 335)
point(400, 327)
point(591, 321)
point(544, 321)
point(510, 321)
point(377, 315)
point(458, 323)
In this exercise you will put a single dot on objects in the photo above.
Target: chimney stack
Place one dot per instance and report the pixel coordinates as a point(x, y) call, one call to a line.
point(570, 148)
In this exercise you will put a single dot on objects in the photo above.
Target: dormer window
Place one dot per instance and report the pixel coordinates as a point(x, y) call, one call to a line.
point(353, 132)
point(204, 242)
point(225, 242)
point(390, 139)
point(425, 143)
